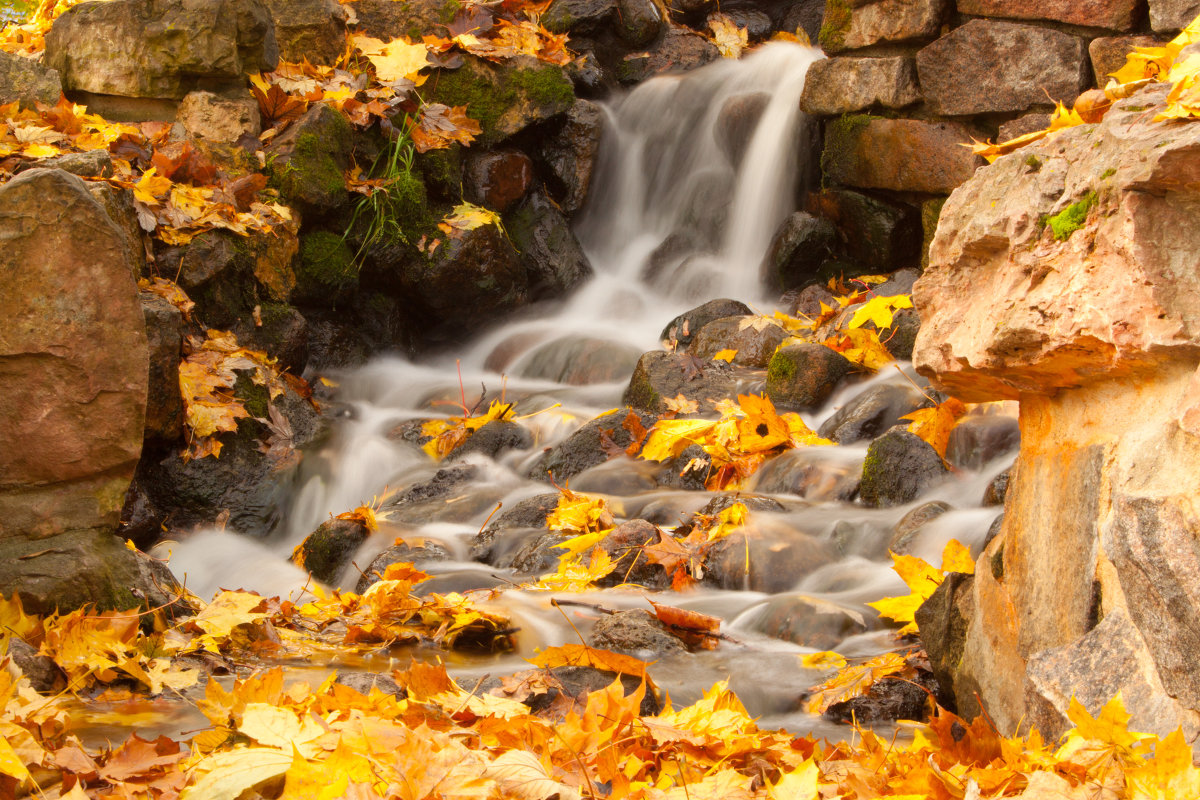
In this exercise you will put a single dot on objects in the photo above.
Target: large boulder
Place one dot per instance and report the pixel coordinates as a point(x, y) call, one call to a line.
point(1117, 15)
point(988, 66)
point(27, 81)
point(160, 48)
point(851, 25)
point(73, 353)
point(312, 30)
point(904, 155)
point(841, 85)
point(571, 153)
point(1060, 277)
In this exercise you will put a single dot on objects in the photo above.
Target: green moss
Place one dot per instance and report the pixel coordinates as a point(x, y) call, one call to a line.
point(327, 269)
point(255, 398)
point(780, 370)
point(931, 212)
point(311, 172)
point(832, 36)
point(1033, 162)
point(841, 138)
point(441, 171)
point(489, 97)
point(998, 564)
point(1071, 218)
point(1108, 173)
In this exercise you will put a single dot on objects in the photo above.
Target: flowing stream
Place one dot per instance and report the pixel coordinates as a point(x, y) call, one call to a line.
point(677, 215)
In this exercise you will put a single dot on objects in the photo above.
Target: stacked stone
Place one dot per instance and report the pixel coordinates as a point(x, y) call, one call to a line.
point(909, 82)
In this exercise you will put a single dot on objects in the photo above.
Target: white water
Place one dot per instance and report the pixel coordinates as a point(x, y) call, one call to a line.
point(662, 175)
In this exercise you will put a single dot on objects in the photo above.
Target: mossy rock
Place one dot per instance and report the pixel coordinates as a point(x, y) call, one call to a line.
point(327, 550)
point(389, 19)
point(899, 466)
point(505, 99)
point(841, 142)
point(1071, 218)
point(327, 274)
point(804, 375)
point(838, 17)
point(307, 164)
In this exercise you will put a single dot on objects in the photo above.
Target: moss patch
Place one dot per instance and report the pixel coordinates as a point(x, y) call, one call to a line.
point(1071, 218)
point(504, 101)
point(327, 270)
point(841, 143)
point(837, 20)
point(1033, 162)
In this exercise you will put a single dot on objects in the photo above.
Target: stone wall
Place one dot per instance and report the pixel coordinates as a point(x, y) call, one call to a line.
point(908, 82)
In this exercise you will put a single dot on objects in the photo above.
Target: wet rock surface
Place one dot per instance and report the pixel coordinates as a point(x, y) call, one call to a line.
point(898, 468)
point(327, 551)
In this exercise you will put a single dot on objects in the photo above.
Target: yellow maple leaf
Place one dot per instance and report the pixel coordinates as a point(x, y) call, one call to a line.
point(935, 424)
point(1110, 728)
point(725, 355)
point(580, 513)
point(152, 188)
point(825, 659)
point(854, 680)
point(922, 579)
point(1168, 775)
point(878, 311)
point(727, 36)
point(396, 60)
point(468, 217)
point(861, 346)
point(670, 437)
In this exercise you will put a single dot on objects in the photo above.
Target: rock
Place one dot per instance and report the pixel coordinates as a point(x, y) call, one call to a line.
point(808, 300)
point(25, 80)
point(309, 30)
point(906, 529)
point(309, 159)
point(164, 335)
point(160, 48)
point(571, 153)
point(844, 84)
point(687, 471)
point(901, 337)
point(554, 261)
point(1168, 16)
point(89, 164)
point(756, 24)
point(283, 335)
point(468, 282)
point(975, 441)
point(119, 205)
point(806, 16)
point(505, 99)
point(579, 361)
point(996, 489)
point(637, 633)
point(1116, 15)
point(205, 115)
point(423, 500)
point(538, 554)
point(624, 546)
point(816, 474)
point(44, 675)
point(578, 16)
point(364, 682)
point(800, 249)
point(387, 19)
point(680, 50)
point(327, 275)
point(888, 700)
point(803, 376)
point(493, 543)
point(898, 468)
point(579, 682)
point(1107, 53)
point(587, 75)
point(806, 621)
point(905, 155)
point(877, 235)
point(754, 346)
point(141, 520)
point(768, 559)
point(736, 123)
point(74, 353)
point(584, 448)
point(684, 328)
point(660, 376)
point(942, 622)
point(639, 21)
point(427, 550)
point(988, 66)
point(494, 438)
point(848, 26)
point(1027, 123)
point(497, 179)
point(334, 344)
point(872, 412)
point(327, 551)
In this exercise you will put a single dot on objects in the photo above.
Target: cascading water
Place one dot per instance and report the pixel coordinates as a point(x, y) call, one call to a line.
point(682, 209)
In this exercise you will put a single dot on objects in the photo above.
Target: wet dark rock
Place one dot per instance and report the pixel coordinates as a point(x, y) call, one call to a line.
point(807, 621)
point(661, 376)
point(977, 440)
point(327, 275)
point(43, 674)
point(327, 551)
point(624, 546)
point(993, 530)
point(867, 538)
point(335, 344)
point(754, 344)
point(141, 519)
point(25, 80)
point(688, 471)
point(497, 179)
point(580, 361)
point(805, 15)
point(898, 468)
point(756, 23)
point(309, 159)
point(753, 502)
point(164, 335)
point(878, 235)
point(571, 153)
point(872, 412)
point(942, 621)
point(636, 633)
point(994, 494)
point(888, 700)
point(422, 500)
point(283, 335)
point(538, 555)
point(684, 328)
point(524, 516)
point(587, 75)
point(427, 550)
point(639, 21)
point(585, 447)
point(679, 51)
point(801, 247)
point(578, 16)
point(387, 19)
point(905, 531)
point(89, 164)
point(765, 561)
point(553, 259)
point(133, 48)
point(803, 376)
point(900, 338)
point(816, 474)
point(312, 30)
point(808, 300)
point(578, 682)
point(364, 682)
point(671, 253)
point(736, 123)
point(494, 438)
point(899, 282)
